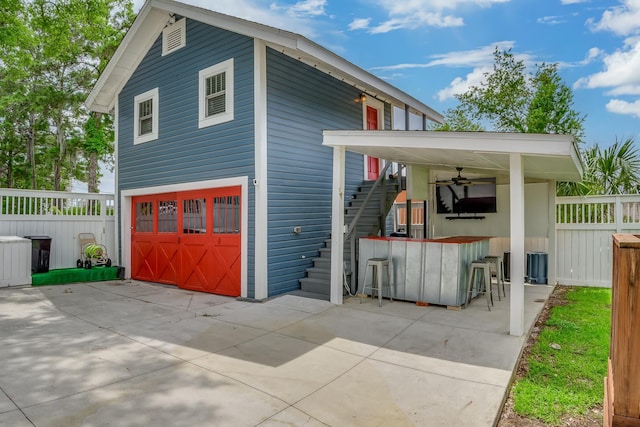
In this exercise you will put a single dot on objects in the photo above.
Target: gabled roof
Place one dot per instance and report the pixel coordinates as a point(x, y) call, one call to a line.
point(155, 14)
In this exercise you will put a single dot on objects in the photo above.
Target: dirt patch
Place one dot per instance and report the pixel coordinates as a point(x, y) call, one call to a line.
point(509, 418)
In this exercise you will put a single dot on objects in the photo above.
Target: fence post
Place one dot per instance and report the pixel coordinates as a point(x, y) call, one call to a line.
point(621, 394)
point(619, 214)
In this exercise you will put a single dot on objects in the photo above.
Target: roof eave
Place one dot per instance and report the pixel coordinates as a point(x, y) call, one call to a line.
point(154, 15)
point(136, 43)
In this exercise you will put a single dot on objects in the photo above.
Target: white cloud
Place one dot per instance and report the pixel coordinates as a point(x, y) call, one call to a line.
point(419, 19)
point(593, 53)
point(359, 24)
point(480, 59)
point(464, 58)
point(296, 18)
point(551, 20)
point(623, 20)
point(461, 85)
point(411, 14)
point(620, 70)
point(623, 107)
point(304, 8)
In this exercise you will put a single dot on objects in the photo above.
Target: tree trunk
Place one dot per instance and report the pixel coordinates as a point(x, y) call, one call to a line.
point(31, 151)
point(92, 173)
point(57, 169)
point(92, 178)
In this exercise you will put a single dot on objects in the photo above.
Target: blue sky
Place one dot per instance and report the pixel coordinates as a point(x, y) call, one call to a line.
point(433, 49)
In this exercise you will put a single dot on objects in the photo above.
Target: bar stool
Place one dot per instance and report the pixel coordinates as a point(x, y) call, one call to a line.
point(485, 268)
point(376, 265)
point(497, 261)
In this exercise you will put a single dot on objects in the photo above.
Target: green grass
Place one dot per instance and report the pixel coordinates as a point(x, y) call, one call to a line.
point(568, 382)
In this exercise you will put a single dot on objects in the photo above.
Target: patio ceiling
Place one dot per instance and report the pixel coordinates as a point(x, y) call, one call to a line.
point(545, 157)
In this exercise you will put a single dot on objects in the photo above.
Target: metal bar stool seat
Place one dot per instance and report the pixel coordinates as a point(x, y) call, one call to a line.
point(485, 288)
point(376, 285)
point(499, 265)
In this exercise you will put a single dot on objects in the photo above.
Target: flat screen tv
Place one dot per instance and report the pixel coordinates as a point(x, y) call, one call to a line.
point(467, 199)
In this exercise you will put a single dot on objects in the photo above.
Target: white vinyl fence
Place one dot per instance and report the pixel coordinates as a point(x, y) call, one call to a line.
point(584, 229)
point(61, 216)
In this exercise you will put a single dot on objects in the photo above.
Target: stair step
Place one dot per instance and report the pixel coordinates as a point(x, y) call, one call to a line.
point(352, 211)
point(325, 253)
point(358, 201)
point(319, 273)
point(318, 286)
point(364, 219)
point(322, 262)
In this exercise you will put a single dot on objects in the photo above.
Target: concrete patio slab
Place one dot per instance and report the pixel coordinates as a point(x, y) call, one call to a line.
point(109, 313)
point(284, 367)
point(188, 335)
point(307, 305)
point(45, 323)
point(181, 395)
point(14, 419)
point(131, 353)
point(39, 371)
point(268, 317)
point(407, 311)
point(6, 404)
point(353, 331)
point(382, 394)
point(291, 417)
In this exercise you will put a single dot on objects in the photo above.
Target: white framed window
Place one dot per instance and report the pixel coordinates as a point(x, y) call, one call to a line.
point(146, 111)
point(174, 37)
point(215, 94)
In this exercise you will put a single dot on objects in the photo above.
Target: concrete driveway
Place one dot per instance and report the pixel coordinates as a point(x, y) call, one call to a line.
point(129, 353)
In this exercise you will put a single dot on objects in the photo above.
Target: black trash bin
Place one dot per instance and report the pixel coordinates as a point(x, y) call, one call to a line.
point(537, 268)
point(40, 249)
point(506, 261)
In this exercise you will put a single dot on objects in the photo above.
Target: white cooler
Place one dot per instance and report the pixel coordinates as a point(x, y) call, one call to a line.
point(15, 261)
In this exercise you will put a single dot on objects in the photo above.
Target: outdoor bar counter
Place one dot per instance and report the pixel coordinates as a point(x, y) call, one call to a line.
point(426, 270)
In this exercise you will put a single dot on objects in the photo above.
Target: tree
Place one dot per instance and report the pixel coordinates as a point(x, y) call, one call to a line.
point(512, 100)
point(611, 170)
point(52, 53)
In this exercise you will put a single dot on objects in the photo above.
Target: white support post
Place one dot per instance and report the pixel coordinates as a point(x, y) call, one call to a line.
point(261, 272)
point(337, 225)
point(553, 245)
point(516, 191)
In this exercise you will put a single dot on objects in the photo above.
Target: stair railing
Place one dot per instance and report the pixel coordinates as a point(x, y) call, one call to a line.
point(351, 229)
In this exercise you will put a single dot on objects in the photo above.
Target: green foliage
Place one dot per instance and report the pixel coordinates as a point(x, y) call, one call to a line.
point(512, 100)
point(611, 170)
point(52, 52)
point(568, 382)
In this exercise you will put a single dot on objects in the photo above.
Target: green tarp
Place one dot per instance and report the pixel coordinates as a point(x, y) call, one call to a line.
point(74, 275)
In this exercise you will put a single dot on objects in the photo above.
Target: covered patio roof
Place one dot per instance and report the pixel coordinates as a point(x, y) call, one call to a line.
point(514, 158)
point(545, 157)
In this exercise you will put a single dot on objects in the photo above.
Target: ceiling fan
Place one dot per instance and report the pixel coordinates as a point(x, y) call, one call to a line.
point(459, 180)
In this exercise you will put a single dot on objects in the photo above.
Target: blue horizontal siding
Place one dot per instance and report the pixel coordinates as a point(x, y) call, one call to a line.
point(301, 103)
point(183, 153)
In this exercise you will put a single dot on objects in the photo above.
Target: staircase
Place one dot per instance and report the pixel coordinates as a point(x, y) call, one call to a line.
point(318, 277)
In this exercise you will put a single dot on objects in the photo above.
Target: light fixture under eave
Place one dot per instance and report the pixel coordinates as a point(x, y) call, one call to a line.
point(362, 98)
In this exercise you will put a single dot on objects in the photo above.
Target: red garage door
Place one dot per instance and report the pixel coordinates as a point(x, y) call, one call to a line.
point(190, 239)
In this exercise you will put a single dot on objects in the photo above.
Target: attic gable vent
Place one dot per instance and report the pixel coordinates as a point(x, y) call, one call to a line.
point(174, 37)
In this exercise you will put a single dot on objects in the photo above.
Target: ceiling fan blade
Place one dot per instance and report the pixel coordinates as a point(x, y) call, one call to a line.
point(449, 182)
